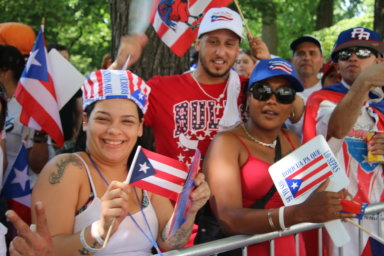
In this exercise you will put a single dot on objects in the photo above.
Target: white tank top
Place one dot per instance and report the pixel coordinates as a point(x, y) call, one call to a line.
point(128, 239)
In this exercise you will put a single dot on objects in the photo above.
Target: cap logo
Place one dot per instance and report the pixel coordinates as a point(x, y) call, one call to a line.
point(360, 33)
point(221, 16)
point(280, 65)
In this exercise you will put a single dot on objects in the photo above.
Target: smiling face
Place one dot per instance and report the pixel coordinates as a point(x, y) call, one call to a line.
point(269, 114)
point(112, 130)
point(218, 51)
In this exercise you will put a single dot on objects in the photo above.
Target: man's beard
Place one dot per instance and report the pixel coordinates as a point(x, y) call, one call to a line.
point(215, 75)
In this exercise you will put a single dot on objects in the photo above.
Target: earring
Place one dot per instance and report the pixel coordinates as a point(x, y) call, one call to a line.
point(292, 115)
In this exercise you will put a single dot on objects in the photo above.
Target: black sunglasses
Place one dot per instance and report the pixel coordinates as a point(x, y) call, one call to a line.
point(263, 92)
point(361, 53)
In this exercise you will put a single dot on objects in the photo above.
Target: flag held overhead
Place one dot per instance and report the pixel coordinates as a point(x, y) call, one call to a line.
point(37, 96)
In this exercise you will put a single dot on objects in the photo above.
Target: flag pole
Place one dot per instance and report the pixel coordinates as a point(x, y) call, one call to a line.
point(379, 239)
point(242, 16)
point(43, 23)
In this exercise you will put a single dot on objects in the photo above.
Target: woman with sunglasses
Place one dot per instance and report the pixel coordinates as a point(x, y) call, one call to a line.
point(243, 197)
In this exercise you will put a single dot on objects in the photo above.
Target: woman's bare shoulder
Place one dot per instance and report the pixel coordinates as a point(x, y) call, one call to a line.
point(61, 166)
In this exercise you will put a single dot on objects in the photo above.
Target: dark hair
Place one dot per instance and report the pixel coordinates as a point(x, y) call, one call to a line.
point(11, 59)
point(68, 116)
point(82, 137)
point(3, 102)
point(56, 46)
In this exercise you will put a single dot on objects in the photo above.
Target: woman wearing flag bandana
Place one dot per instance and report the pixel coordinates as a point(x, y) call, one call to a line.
point(84, 193)
point(244, 198)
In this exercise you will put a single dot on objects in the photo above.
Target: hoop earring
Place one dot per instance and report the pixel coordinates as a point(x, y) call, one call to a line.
point(292, 115)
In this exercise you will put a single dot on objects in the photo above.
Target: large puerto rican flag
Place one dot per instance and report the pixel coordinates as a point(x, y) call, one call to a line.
point(158, 174)
point(37, 96)
point(176, 21)
point(16, 187)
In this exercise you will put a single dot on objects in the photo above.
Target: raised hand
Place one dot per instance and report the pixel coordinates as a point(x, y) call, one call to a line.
point(258, 47)
point(31, 242)
point(131, 46)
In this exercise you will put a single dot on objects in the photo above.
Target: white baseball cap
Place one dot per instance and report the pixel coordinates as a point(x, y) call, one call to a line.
point(221, 18)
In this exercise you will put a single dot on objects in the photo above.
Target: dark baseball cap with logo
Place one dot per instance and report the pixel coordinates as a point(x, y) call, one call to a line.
point(306, 38)
point(358, 36)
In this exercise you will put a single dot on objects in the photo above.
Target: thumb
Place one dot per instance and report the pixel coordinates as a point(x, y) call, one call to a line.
point(41, 220)
point(323, 186)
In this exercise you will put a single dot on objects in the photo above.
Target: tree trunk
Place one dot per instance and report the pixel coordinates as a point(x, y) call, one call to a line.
point(269, 28)
point(324, 14)
point(157, 58)
point(378, 22)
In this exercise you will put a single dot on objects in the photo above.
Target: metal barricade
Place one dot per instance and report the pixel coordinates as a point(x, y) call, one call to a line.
point(242, 241)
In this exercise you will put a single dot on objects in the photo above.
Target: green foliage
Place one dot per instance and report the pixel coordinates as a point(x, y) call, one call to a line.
point(81, 25)
point(328, 36)
point(295, 18)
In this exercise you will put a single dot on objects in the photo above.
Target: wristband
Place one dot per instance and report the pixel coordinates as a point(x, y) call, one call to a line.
point(84, 243)
point(281, 217)
point(95, 234)
point(269, 214)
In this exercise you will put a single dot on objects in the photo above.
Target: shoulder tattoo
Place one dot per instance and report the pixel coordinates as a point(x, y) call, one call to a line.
point(55, 176)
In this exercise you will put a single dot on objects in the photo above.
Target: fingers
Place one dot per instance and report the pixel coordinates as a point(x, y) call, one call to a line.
point(41, 221)
point(323, 186)
point(12, 249)
point(376, 144)
point(22, 228)
point(202, 192)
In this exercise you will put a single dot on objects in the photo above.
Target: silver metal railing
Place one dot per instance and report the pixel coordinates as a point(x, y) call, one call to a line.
point(242, 241)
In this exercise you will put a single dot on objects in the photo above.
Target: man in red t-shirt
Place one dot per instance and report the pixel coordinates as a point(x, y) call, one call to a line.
point(186, 111)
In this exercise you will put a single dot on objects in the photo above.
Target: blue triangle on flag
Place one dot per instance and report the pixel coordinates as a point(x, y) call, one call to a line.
point(142, 168)
point(139, 96)
point(36, 67)
point(17, 183)
point(294, 185)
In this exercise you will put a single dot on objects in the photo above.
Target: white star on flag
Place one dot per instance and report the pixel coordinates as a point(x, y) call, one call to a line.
point(180, 157)
point(144, 167)
point(32, 60)
point(294, 185)
point(21, 177)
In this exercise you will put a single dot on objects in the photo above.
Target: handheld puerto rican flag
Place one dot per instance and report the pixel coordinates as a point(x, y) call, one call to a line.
point(176, 22)
point(158, 174)
point(37, 96)
point(299, 173)
point(17, 189)
point(183, 203)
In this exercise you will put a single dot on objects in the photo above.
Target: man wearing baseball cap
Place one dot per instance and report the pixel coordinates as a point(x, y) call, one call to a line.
point(185, 111)
point(345, 113)
point(308, 60)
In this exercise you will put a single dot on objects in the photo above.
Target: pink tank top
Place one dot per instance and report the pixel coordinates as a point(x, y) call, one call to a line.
point(256, 182)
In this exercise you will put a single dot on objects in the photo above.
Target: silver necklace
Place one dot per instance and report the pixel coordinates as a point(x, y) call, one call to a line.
point(270, 145)
point(218, 99)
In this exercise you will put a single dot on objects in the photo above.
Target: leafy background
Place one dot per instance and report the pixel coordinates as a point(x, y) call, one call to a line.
point(84, 25)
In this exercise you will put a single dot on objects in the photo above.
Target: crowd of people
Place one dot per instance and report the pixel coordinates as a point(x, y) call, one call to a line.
point(243, 110)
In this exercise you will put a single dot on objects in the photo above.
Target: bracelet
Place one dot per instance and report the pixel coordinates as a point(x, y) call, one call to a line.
point(269, 214)
point(95, 234)
point(84, 243)
point(40, 137)
point(281, 217)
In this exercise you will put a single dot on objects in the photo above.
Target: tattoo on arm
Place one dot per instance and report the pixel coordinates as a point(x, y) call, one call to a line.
point(84, 251)
point(179, 239)
point(55, 177)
